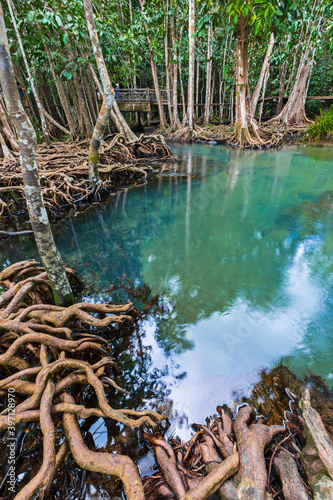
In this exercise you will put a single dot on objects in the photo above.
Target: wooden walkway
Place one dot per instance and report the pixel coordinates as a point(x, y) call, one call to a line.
point(143, 99)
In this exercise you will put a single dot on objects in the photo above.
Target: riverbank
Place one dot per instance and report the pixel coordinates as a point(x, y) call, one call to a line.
point(64, 175)
point(222, 134)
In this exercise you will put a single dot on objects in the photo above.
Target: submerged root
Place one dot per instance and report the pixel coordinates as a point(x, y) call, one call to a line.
point(41, 362)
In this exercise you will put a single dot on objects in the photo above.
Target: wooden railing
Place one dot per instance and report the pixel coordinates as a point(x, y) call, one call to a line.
point(139, 95)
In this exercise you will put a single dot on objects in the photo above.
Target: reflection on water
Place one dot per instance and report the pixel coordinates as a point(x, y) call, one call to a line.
point(242, 259)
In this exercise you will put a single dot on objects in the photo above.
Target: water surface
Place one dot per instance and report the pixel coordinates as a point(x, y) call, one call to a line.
point(242, 258)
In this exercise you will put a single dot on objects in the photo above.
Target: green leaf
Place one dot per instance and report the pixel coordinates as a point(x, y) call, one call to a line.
point(58, 19)
point(30, 16)
point(67, 74)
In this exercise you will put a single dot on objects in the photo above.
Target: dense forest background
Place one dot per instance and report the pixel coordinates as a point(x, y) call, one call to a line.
point(148, 45)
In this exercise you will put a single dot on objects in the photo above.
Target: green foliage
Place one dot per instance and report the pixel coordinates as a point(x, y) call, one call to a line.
point(322, 126)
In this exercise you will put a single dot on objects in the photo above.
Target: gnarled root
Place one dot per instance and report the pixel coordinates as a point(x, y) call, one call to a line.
point(252, 439)
point(292, 485)
point(40, 365)
point(242, 458)
point(64, 173)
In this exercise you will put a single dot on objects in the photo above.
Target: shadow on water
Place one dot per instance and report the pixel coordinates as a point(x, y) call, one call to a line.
point(240, 259)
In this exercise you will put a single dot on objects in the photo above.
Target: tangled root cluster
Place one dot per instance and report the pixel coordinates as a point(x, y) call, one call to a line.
point(49, 356)
point(241, 458)
point(64, 175)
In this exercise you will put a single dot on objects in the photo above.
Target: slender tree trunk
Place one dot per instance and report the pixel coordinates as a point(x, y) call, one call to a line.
point(182, 94)
point(263, 72)
point(78, 115)
point(191, 42)
point(20, 77)
point(62, 94)
point(163, 122)
point(263, 92)
point(28, 143)
point(197, 91)
point(223, 80)
point(176, 122)
point(212, 93)
point(33, 88)
point(108, 100)
point(281, 90)
point(83, 117)
point(116, 115)
point(208, 74)
point(168, 66)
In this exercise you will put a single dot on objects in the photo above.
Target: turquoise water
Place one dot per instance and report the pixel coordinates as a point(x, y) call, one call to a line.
point(242, 257)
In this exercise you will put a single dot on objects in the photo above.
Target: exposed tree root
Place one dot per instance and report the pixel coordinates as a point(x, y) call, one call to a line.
point(265, 136)
point(41, 358)
point(63, 169)
point(52, 356)
point(241, 458)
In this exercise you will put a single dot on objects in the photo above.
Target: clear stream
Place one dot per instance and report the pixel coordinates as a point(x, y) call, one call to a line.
point(242, 257)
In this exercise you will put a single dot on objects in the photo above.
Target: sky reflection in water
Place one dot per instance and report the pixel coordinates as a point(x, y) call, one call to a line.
point(242, 258)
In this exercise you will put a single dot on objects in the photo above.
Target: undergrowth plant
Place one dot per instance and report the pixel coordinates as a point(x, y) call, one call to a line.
point(322, 126)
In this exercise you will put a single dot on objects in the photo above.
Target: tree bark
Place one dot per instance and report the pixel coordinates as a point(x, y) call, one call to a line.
point(48, 251)
point(33, 88)
point(258, 87)
point(208, 74)
point(116, 115)
point(163, 122)
point(281, 90)
point(263, 93)
point(176, 121)
point(246, 130)
point(84, 122)
point(109, 96)
point(294, 110)
point(168, 65)
point(191, 42)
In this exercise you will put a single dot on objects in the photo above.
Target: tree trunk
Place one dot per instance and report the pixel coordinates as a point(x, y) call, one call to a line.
point(163, 122)
point(20, 77)
point(258, 87)
point(33, 88)
point(7, 131)
point(212, 93)
point(293, 112)
point(108, 100)
point(62, 95)
point(208, 74)
point(168, 67)
point(263, 93)
point(78, 115)
point(176, 122)
point(197, 91)
point(28, 143)
point(245, 127)
point(191, 61)
point(116, 115)
point(281, 90)
point(84, 122)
